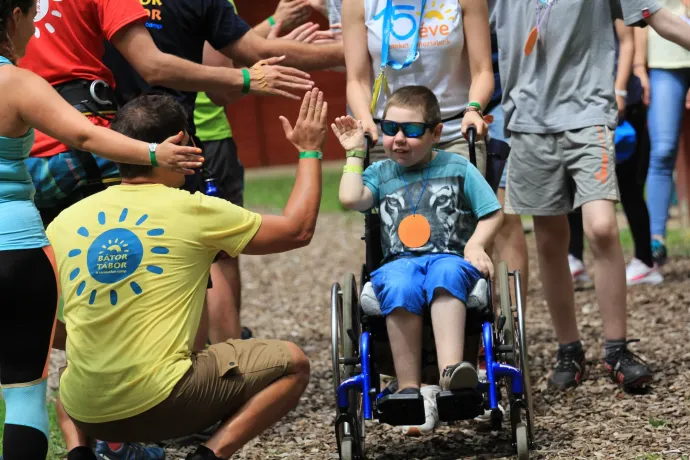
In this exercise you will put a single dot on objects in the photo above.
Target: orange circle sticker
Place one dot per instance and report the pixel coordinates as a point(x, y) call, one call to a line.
point(531, 41)
point(414, 231)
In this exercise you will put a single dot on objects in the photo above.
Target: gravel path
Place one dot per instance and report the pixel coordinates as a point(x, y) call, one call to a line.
point(287, 296)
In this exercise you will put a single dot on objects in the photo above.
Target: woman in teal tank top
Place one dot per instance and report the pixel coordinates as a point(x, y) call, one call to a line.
point(28, 286)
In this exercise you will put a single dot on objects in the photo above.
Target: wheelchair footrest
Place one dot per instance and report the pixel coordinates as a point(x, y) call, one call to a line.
point(459, 405)
point(401, 409)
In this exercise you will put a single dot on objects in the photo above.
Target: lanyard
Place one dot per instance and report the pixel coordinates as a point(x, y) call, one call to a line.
point(543, 5)
point(388, 29)
point(414, 209)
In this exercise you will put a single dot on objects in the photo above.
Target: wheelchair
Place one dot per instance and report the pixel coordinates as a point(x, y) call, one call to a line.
point(361, 354)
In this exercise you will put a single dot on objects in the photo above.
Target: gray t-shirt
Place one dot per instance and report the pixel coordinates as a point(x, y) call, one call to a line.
point(635, 11)
point(567, 83)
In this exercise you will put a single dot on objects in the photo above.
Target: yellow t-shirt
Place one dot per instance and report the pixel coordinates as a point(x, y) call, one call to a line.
point(664, 54)
point(133, 263)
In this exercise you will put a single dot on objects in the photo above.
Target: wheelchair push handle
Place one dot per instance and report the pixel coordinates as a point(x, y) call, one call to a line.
point(472, 141)
point(369, 141)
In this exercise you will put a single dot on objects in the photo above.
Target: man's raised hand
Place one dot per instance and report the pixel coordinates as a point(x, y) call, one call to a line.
point(311, 128)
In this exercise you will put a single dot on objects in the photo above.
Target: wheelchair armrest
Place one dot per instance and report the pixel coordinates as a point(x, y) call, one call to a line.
point(479, 296)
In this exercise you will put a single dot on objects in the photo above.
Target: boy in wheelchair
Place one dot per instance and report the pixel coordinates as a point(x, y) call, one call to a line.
point(438, 217)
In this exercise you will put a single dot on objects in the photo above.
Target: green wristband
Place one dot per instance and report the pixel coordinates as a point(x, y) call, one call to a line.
point(356, 153)
point(152, 154)
point(357, 169)
point(311, 154)
point(271, 21)
point(477, 105)
point(247, 81)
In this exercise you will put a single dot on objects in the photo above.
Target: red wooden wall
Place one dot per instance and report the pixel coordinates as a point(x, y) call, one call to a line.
point(255, 126)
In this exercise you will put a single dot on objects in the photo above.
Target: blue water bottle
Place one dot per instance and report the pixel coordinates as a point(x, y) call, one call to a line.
point(210, 188)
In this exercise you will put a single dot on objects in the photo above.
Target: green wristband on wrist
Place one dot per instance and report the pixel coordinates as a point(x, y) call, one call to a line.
point(476, 105)
point(356, 153)
point(311, 154)
point(152, 154)
point(271, 21)
point(353, 169)
point(247, 81)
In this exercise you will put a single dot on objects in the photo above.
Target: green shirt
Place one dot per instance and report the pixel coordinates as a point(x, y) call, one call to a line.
point(211, 122)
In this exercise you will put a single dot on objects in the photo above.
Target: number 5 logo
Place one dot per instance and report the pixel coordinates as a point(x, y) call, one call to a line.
point(397, 16)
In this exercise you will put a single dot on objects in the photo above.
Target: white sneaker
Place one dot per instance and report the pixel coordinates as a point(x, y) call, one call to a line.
point(486, 416)
point(637, 272)
point(429, 393)
point(577, 270)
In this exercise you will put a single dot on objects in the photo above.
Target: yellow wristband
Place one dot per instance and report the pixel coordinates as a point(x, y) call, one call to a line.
point(357, 169)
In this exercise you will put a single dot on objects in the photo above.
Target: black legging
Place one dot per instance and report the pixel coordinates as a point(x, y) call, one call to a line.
point(631, 175)
point(28, 304)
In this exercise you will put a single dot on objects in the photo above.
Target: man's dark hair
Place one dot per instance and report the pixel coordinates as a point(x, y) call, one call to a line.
point(150, 118)
point(416, 98)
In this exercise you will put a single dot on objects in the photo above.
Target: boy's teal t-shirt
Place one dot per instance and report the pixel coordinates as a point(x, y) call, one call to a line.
point(455, 197)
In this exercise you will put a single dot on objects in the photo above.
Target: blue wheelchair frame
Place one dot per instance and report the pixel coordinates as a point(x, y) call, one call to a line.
point(494, 371)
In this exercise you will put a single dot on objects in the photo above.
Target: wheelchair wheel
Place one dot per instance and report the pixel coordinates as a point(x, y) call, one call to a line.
point(522, 442)
point(522, 414)
point(345, 332)
point(508, 333)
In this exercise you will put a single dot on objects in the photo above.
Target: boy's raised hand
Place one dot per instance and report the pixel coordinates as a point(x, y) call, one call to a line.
point(311, 128)
point(349, 132)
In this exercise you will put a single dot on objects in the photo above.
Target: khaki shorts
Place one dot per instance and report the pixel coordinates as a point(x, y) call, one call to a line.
point(460, 146)
point(222, 378)
point(552, 174)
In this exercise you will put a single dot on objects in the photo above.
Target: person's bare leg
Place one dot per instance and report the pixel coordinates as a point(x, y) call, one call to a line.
point(73, 437)
point(552, 234)
point(202, 333)
point(511, 246)
point(224, 301)
point(448, 316)
point(601, 230)
point(263, 409)
point(405, 337)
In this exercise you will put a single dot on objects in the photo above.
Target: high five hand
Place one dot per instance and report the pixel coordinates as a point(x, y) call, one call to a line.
point(311, 128)
point(269, 79)
point(349, 132)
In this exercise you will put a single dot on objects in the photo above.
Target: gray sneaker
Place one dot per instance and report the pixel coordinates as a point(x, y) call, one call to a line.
point(459, 376)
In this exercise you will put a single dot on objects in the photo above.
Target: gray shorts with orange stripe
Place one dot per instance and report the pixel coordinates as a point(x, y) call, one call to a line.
point(552, 174)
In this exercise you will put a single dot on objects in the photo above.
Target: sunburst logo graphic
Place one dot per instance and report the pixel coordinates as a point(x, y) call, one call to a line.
point(438, 13)
point(113, 256)
point(42, 10)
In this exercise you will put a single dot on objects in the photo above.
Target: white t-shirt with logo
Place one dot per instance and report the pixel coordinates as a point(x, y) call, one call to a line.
point(442, 65)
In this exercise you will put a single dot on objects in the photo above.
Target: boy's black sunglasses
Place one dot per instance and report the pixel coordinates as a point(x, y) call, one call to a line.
point(411, 129)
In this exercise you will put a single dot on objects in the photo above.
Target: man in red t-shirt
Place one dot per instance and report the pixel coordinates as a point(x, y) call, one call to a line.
point(67, 50)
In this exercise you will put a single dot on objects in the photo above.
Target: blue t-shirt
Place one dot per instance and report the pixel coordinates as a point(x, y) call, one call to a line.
point(456, 196)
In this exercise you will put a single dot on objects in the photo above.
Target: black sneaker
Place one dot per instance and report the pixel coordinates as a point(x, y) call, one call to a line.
point(626, 368)
point(659, 253)
point(570, 367)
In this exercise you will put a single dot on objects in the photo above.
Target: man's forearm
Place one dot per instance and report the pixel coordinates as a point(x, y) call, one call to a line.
point(303, 205)
point(263, 28)
point(671, 27)
point(173, 72)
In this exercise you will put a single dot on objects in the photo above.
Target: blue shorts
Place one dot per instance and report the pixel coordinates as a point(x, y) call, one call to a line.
point(411, 282)
point(497, 138)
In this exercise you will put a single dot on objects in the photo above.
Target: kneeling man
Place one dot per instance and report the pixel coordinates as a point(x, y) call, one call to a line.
point(133, 264)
